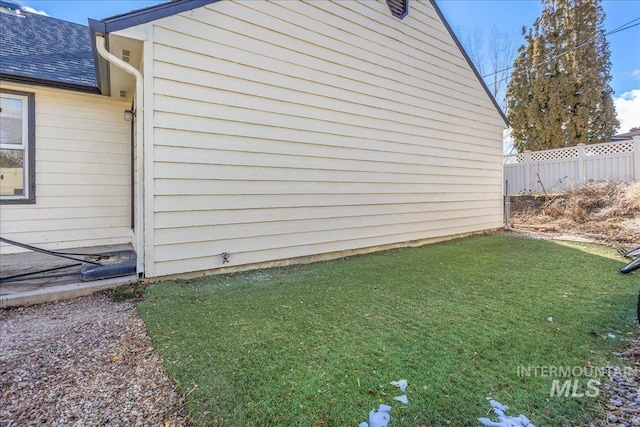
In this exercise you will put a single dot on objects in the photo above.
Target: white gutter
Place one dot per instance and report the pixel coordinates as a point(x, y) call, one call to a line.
point(139, 155)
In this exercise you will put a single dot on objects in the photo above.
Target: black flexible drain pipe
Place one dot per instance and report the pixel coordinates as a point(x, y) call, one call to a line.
point(46, 252)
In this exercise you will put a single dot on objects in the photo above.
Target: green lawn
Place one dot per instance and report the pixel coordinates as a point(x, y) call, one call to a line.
point(318, 344)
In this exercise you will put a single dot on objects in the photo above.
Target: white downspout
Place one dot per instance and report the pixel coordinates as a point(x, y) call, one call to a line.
point(139, 200)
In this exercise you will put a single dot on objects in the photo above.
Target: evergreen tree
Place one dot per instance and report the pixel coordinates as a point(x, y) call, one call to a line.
point(559, 94)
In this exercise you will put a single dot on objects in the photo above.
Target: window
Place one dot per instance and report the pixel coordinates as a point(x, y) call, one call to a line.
point(17, 147)
point(398, 8)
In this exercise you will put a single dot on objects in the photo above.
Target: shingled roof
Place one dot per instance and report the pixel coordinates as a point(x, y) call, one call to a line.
point(47, 51)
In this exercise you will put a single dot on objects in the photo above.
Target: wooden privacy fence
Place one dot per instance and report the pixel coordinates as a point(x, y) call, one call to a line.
point(554, 171)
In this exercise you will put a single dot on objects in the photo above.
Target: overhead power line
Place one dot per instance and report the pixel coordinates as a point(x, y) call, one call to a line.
point(623, 27)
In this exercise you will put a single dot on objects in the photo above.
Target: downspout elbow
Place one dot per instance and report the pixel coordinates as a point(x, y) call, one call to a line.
point(109, 57)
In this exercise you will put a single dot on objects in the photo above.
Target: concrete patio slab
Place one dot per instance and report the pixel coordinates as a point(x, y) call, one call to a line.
point(62, 283)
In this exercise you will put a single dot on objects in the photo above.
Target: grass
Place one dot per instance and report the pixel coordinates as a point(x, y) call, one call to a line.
point(317, 345)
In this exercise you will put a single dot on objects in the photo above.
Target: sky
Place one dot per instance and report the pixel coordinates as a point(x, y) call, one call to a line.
point(508, 15)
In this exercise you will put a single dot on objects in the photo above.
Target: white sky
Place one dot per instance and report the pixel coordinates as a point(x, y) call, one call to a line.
point(628, 109)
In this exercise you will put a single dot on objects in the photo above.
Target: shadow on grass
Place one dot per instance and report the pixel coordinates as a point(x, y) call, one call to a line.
point(318, 344)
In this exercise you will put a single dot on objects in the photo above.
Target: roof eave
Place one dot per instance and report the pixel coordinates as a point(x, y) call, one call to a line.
point(473, 67)
point(13, 78)
point(131, 19)
point(151, 13)
point(103, 77)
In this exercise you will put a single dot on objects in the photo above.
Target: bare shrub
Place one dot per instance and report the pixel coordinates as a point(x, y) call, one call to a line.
point(605, 211)
point(630, 199)
point(595, 200)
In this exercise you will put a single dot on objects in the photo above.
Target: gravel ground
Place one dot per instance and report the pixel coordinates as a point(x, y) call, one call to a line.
point(83, 362)
point(623, 407)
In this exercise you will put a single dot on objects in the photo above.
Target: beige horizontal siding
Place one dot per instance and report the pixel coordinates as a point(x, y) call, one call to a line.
point(345, 226)
point(232, 214)
point(293, 248)
point(292, 42)
point(182, 203)
point(324, 143)
point(380, 90)
point(230, 173)
point(348, 158)
point(82, 174)
point(288, 129)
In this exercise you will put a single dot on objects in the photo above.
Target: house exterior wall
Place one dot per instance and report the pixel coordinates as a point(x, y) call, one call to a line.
point(292, 129)
point(82, 174)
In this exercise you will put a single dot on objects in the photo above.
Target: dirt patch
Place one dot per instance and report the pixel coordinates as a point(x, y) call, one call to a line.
point(606, 212)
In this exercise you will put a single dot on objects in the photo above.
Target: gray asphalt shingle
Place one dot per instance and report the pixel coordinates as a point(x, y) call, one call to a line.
point(40, 47)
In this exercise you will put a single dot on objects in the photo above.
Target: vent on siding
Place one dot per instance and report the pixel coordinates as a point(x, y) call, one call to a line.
point(398, 8)
point(123, 93)
point(126, 55)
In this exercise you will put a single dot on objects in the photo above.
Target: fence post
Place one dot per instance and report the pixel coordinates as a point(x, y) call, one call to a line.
point(527, 171)
point(507, 204)
point(636, 158)
point(581, 170)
